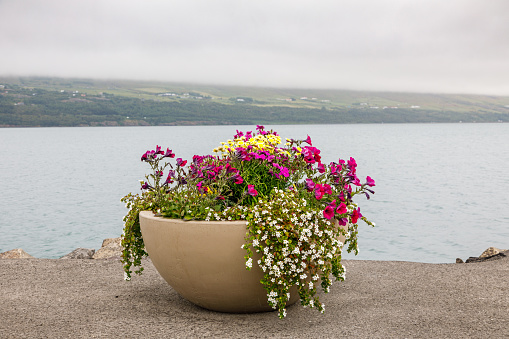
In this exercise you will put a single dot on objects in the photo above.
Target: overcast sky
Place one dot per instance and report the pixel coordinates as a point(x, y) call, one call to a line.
point(453, 46)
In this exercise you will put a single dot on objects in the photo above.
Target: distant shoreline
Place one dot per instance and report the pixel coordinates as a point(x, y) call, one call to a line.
point(278, 124)
point(54, 102)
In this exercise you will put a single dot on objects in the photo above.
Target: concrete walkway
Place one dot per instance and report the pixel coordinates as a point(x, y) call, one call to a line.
point(44, 298)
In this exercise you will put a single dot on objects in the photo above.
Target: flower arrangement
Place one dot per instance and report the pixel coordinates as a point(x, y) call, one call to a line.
point(297, 209)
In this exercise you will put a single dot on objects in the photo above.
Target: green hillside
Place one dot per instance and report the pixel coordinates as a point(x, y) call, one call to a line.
point(44, 101)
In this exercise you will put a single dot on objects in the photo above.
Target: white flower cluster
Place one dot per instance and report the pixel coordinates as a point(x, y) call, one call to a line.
point(297, 246)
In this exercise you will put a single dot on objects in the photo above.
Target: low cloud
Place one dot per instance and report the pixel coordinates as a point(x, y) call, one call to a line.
point(385, 45)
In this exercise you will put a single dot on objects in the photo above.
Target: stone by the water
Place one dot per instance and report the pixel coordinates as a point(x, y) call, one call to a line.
point(80, 253)
point(17, 253)
point(491, 251)
point(111, 248)
point(497, 256)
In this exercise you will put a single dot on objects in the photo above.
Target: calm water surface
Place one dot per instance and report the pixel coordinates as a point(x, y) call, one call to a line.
point(441, 188)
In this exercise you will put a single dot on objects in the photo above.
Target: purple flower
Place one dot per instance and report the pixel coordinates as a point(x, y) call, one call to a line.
point(251, 190)
point(145, 186)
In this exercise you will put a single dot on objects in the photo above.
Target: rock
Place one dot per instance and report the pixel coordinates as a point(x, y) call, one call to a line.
point(80, 253)
point(491, 251)
point(111, 248)
point(17, 253)
point(499, 255)
point(473, 259)
point(459, 261)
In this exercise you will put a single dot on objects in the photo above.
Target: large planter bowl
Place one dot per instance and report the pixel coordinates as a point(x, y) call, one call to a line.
point(204, 262)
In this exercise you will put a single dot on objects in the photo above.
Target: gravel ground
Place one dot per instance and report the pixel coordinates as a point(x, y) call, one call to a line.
point(46, 298)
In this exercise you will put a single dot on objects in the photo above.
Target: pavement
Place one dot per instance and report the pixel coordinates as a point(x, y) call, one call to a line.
point(52, 298)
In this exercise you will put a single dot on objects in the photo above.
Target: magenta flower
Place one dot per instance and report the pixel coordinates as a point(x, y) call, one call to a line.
point(342, 221)
point(168, 154)
point(341, 196)
point(341, 209)
point(259, 156)
point(310, 185)
point(321, 168)
point(308, 140)
point(328, 212)
point(169, 178)
point(238, 179)
point(311, 154)
point(144, 156)
point(320, 190)
point(251, 191)
point(356, 214)
point(352, 163)
point(158, 150)
point(230, 169)
point(145, 186)
point(356, 181)
point(370, 182)
point(199, 185)
point(284, 172)
point(181, 162)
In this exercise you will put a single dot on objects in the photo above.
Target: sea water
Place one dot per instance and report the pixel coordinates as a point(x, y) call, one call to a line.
point(441, 189)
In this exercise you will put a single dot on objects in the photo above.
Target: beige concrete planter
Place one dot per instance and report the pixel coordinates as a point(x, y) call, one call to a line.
point(204, 262)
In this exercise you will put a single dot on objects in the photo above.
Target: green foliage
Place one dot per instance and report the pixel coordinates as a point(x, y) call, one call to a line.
point(132, 240)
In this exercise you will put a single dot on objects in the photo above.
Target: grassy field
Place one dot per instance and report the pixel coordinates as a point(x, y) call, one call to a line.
point(297, 98)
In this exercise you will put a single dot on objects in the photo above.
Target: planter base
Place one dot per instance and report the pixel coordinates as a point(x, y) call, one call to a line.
point(204, 262)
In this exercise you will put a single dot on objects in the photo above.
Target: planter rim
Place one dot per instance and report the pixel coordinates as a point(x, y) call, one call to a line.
point(150, 215)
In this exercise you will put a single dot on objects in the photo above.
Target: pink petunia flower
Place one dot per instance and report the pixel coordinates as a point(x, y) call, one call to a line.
point(370, 182)
point(341, 209)
point(356, 214)
point(251, 190)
